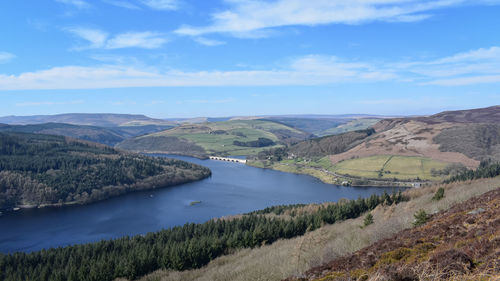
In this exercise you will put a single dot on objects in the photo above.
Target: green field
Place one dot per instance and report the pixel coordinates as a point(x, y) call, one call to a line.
point(218, 137)
point(380, 167)
point(389, 167)
point(354, 125)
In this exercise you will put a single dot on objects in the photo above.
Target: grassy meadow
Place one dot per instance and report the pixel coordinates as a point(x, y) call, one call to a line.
point(218, 137)
point(389, 166)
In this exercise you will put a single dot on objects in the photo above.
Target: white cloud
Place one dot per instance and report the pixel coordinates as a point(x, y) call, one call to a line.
point(80, 4)
point(44, 103)
point(122, 4)
point(247, 17)
point(208, 42)
point(474, 55)
point(95, 37)
point(146, 40)
point(100, 39)
point(474, 67)
point(462, 81)
point(123, 103)
point(6, 57)
point(161, 4)
point(311, 70)
point(228, 100)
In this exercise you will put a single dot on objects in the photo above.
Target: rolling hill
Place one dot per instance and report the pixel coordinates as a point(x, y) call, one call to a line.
point(426, 148)
point(235, 137)
point(90, 119)
point(323, 126)
point(44, 170)
point(104, 135)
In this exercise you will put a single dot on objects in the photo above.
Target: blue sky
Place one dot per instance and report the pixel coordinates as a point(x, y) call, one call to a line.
point(182, 58)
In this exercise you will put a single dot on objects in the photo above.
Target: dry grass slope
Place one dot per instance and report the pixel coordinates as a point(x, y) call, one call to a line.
point(292, 257)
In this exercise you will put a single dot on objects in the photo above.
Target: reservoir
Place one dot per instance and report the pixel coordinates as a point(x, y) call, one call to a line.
point(233, 188)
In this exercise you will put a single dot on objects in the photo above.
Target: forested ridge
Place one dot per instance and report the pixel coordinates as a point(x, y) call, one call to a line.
point(179, 248)
point(486, 169)
point(38, 170)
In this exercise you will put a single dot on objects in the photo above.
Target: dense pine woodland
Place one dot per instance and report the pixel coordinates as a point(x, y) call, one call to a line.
point(487, 169)
point(38, 170)
point(179, 248)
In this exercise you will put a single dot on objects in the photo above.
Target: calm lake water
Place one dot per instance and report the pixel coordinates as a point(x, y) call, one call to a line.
point(232, 189)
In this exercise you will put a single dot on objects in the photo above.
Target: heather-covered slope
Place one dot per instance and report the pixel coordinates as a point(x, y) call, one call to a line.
point(462, 243)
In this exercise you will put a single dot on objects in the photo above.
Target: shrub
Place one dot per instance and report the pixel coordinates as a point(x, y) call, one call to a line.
point(368, 219)
point(421, 217)
point(439, 194)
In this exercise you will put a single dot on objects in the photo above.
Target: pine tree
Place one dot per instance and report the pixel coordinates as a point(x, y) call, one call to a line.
point(368, 219)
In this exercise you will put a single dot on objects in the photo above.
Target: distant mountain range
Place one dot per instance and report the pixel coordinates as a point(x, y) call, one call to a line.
point(90, 119)
point(105, 135)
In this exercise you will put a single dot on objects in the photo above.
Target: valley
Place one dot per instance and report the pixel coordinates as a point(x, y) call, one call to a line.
point(249, 140)
point(225, 138)
point(403, 150)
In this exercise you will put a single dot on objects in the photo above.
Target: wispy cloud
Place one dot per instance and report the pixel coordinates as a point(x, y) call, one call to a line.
point(161, 4)
point(146, 40)
point(6, 57)
point(80, 4)
point(248, 17)
point(311, 70)
point(122, 103)
point(208, 42)
point(207, 101)
point(48, 103)
point(96, 38)
point(122, 4)
point(473, 67)
point(99, 39)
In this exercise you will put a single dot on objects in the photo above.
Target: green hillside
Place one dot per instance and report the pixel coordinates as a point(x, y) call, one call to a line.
point(104, 135)
point(90, 119)
point(324, 126)
point(39, 170)
point(313, 157)
point(390, 167)
point(352, 125)
point(236, 137)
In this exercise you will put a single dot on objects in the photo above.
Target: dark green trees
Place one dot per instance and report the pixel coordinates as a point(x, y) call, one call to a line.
point(421, 217)
point(368, 219)
point(44, 169)
point(178, 248)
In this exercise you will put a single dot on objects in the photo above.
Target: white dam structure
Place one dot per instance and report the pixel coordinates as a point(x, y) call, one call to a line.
point(227, 159)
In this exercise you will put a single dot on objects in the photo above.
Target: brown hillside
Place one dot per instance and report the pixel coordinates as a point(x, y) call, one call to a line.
point(462, 243)
point(439, 137)
point(406, 138)
point(479, 115)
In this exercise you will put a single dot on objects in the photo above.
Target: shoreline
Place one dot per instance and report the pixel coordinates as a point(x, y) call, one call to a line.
point(4, 211)
point(329, 177)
